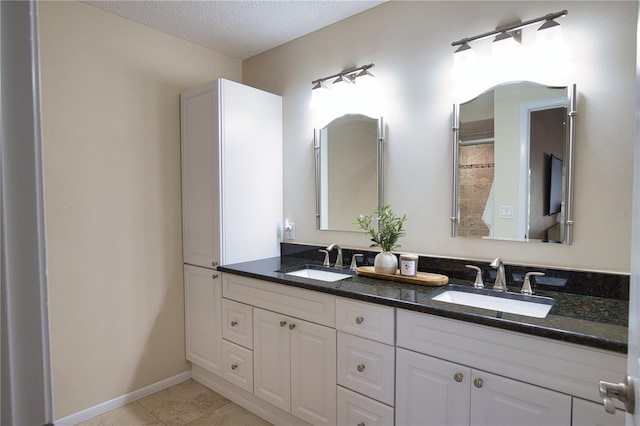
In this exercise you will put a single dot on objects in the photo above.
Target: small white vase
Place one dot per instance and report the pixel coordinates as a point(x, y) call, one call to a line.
point(385, 263)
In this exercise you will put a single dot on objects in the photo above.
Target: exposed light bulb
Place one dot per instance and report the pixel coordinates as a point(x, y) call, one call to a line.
point(549, 32)
point(464, 60)
point(319, 96)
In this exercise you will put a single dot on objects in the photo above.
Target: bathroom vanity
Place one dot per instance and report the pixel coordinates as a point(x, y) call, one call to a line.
point(364, 351)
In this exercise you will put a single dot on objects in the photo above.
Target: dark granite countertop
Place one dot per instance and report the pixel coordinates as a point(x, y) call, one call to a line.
point(582, 319)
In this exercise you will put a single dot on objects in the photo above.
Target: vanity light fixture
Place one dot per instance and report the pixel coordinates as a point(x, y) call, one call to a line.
point(320, 87)
point(507, 32)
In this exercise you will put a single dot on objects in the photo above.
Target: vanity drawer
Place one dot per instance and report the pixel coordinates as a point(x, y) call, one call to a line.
point(355, 409)
point(237, 365)
point(297, 302)
point(237, 323)
point(366, 367)
point(367, 320)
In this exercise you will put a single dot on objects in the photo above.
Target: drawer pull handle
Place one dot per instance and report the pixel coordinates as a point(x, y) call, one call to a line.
point(234, 323)
point(214, 276)
point(292, 326)
point(234, 366)
point(478, 382)
point(360, 368)
point(359, 320)
point(283, 323)
point(458, 377)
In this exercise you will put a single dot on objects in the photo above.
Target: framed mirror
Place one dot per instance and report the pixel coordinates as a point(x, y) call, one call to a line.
point(513, 164)
point(348, 170)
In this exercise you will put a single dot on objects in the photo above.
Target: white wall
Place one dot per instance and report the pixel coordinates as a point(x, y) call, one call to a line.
point(111, 135)
point(410, 44)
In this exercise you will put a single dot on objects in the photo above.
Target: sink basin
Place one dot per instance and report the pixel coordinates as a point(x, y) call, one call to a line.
point(513, 303)
point(319, 274)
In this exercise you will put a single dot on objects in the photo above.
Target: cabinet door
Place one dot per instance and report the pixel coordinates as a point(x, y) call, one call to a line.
point(499, 401)
point(430, 391)
point(203, 329)
point(587, 413)
point(313, 372)
point(272, 358)
point(200, 176)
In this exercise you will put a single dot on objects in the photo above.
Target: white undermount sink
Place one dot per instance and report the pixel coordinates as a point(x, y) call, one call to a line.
point(513, 303)
point(318, 274)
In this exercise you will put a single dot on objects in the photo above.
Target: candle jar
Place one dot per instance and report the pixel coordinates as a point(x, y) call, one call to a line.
point(408, 265)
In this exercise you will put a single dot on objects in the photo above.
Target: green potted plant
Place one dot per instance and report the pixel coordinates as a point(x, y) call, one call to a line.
point(385, 235)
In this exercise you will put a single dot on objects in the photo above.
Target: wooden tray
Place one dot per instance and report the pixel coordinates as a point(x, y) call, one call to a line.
point(421, 278)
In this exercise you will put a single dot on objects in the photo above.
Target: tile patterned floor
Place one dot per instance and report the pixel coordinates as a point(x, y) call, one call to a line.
point(187, 403)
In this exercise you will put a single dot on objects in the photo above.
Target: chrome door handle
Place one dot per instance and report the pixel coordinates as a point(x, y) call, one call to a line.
point(623, 392)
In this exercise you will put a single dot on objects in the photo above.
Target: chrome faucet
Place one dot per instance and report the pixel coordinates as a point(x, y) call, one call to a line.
point(501, 282)
point(339, 257)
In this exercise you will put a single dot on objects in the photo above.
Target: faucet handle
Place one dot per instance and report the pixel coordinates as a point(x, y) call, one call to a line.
point(326, 258)
point(526, 285)
point(354, 263)
point(478, 282)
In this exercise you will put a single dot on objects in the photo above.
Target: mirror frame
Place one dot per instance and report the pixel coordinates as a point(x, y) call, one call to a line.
point(318, 168)
point(567, 219)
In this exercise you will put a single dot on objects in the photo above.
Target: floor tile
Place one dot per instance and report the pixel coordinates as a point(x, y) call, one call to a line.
point(230, 414)
point(183, 403)
point(130, 414)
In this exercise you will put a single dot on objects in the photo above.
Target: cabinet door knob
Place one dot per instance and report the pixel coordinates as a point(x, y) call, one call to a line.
point(234, 366)
point(283, 323)
point(360, 368)
point(234, 323)
point(292, 326)
point(214, 276)
point(214, 264)
point(458, 377)
point(359, 320)
point(477, 382)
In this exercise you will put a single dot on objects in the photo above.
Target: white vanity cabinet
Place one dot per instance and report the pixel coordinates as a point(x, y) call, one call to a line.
point(366, 362)
point(431, 391)
point(294, 346)
point(515, 369)
point(203, 329)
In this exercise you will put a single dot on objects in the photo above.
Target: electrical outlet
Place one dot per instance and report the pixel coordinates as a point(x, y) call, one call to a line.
point(506, 212)
point(290, 234)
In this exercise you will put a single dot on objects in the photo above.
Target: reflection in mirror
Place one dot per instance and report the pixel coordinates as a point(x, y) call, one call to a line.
point(348, 154)
point(513, 164)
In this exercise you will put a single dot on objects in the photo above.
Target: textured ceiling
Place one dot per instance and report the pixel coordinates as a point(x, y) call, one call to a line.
point(237, 28)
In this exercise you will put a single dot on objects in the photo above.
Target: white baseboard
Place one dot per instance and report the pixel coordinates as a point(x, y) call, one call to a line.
point(120, 401)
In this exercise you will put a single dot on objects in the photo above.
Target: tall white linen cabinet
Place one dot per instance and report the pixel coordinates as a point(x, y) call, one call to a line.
point(231, 147)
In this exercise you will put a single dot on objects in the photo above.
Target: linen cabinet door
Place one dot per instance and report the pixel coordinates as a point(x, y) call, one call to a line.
point(203, 317)
point(498, 401)
point(272, 358)
point(200, 157)
point(313, 372)
point(430, 391)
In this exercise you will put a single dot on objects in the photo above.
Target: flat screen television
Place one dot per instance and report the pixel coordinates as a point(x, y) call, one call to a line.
point(555, 185)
